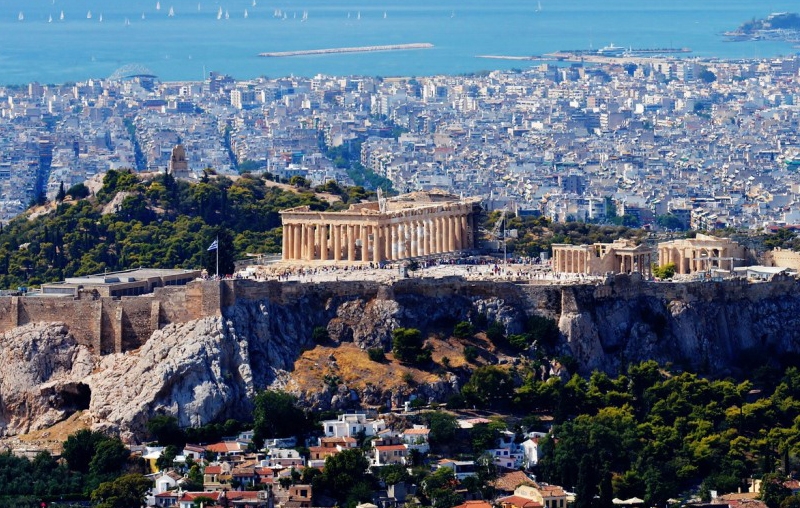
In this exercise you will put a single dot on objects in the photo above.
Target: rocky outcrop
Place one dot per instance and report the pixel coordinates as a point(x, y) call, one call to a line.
point(208, 369)
point(41, 383)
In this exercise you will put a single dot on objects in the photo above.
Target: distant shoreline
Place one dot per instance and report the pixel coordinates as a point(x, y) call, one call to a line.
point(354, 49)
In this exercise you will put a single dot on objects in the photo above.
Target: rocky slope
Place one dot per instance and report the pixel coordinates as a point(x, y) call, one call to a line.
point(208, 369)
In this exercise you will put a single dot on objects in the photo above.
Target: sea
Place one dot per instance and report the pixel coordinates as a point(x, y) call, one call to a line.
point(57, 41)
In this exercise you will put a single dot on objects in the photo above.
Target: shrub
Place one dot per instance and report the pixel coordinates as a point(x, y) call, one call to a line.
point(520, 342)
point(320, 335)
point(470, 353)
point(407, 345)
point(376, 354)
point(496, 332)
point(463, 330)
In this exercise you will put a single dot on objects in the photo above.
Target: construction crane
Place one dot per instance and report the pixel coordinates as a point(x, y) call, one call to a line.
point(495, 232)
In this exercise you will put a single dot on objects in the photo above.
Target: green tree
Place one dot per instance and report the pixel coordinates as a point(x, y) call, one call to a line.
point(489, 386)
point(664, 272)
point(343, 472)
point(443, 427)
point(463, 330)
point(79, 449)
point(408, 346)
point(275, 414)
point(166, 431)
point(123, 492)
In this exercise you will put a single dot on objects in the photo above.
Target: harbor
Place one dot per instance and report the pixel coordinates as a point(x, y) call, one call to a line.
point(355, 49)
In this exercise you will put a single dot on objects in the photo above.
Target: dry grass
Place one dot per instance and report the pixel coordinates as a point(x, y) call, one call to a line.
point(354, 368)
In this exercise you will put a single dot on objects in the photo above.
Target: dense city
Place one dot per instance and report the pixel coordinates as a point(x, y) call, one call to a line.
point(711, 143)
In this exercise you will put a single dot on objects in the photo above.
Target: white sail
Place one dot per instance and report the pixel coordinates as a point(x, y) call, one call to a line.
point(171, 12)
point(127, 22)
point(245, 14)
point(227, 15)
point(50, 19)
point(101, 17)
point(21, 16)
point(62, 16)
point(89, 15)
point(384, 14)
point(359, 15)
point(219, 13)
point(158, 6)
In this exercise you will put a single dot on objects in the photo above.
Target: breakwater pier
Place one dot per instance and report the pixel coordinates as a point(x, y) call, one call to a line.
point(354, 49)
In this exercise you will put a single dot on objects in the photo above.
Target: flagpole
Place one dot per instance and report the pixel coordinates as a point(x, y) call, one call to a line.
point(217, 242)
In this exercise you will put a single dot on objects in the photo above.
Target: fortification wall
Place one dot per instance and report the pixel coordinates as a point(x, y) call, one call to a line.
point(110, 325)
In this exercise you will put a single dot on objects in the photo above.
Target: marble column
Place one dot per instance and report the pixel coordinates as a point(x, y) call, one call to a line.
point(365, 243)
point(351, 243)
point(394, 241)
point(323, 242)
point(377, 243)
point(459, 236)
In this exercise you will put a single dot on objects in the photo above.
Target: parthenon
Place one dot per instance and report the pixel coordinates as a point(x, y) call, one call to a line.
point(390, 229)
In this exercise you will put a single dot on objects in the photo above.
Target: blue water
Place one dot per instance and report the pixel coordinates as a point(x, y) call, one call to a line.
point(181, 47)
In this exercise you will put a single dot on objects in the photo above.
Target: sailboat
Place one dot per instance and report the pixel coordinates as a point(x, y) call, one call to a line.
point(171, 12)
point(254, 3)
point(21, 16)
point(384, 14)
point(305, 16)
point(227, 15)
point(142, 15)
point(158, 6)
point(219, 13)
point(348, 15)
point(452, 14)
point(538, 6)
point(62, 16)
point(358, 16)
point(127, 22)
point(50, 19)
point(245, 14)
point(101, 17)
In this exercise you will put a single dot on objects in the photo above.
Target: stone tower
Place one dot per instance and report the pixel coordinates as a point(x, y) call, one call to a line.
point(178, 165)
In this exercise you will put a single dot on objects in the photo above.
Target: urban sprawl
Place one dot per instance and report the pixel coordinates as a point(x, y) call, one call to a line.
point(712, 143)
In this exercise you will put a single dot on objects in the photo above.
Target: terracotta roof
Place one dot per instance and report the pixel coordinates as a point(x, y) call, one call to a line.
point(522, 502)
point(213, 470)
point(416, 432)
point(224, 447)
point(191, 496)
point(510, 481)
point(551, 490)
point(474, 504)
point(390, 448)
point(241, 495)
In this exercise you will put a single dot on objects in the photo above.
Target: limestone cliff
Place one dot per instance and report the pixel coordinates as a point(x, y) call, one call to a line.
point(207, 369)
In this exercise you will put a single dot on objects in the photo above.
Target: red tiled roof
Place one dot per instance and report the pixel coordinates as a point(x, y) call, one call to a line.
point(191, 496)
point(213, 470)
point(224, 447)
point(474, 504)
point(522, 502)
point(416, 432)
point(390, 448)
point(510, 481)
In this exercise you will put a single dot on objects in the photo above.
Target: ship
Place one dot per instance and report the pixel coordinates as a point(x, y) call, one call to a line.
point(611, 50)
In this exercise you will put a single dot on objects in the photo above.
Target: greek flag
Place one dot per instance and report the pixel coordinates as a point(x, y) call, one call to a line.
point(213, 246)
